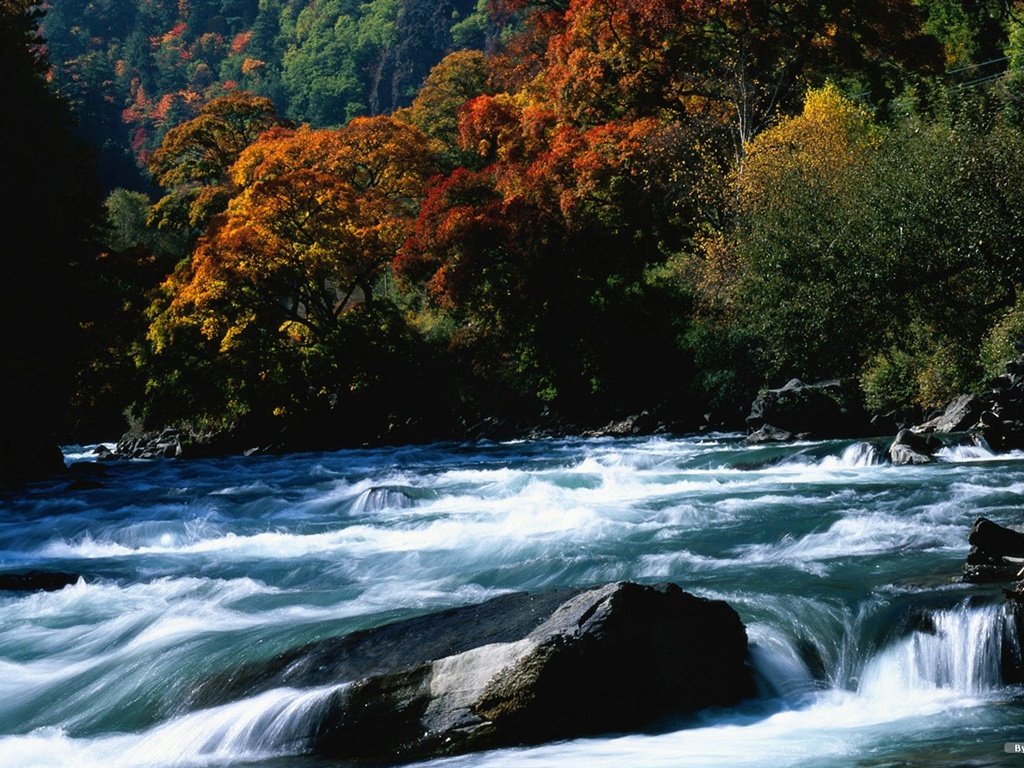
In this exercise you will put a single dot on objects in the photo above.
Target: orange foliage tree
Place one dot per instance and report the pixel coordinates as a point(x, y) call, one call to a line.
point(315, 219)
point(737, 63)
point(193, 161)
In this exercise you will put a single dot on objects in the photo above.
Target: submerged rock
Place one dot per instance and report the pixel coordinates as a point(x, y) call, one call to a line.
point(519, 669)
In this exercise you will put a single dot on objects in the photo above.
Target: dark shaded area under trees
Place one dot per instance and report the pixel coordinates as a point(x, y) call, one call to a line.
point(52, 215)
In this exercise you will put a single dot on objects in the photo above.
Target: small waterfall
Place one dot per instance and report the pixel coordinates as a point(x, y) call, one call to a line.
point(279, 722)
point(960, 453)
point(382, 498)
point(966, 649)
point(860, 454)
point(816, 649)
point(779, 669)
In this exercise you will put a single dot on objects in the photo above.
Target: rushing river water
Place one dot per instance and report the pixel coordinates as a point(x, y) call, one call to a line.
point(843, 568)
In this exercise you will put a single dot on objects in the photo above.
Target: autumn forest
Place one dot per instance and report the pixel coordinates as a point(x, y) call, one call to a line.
point(378, 220)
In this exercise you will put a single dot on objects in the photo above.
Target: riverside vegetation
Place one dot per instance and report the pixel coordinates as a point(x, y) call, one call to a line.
point(572, 211)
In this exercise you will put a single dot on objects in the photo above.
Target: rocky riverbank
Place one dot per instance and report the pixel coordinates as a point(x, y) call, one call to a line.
point(993, 419)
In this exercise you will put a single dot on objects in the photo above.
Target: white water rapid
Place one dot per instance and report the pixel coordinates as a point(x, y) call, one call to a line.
point(868, 650)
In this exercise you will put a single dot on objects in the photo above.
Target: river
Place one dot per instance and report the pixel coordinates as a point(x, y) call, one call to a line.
point(844, 569)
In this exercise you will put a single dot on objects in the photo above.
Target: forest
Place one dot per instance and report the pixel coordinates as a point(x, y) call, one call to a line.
point(392, 220)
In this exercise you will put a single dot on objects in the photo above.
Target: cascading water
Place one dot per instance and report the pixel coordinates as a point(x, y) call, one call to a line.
point(844, 569)
point(962, 650)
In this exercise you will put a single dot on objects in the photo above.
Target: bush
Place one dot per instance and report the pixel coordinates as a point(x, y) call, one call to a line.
point(729, 369)
point(929, 377)
point(997, 346)
point(888, 381)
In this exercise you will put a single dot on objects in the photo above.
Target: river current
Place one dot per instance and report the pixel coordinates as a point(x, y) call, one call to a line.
point(844, 569)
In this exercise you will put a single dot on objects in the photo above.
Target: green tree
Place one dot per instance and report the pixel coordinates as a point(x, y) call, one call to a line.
point(811, 286)
point(458, 78)
point(873, 251)
point(120, 285)
point(320, 69)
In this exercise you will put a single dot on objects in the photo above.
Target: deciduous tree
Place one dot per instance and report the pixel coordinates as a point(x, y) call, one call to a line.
point(192, 163)
point(315, 220)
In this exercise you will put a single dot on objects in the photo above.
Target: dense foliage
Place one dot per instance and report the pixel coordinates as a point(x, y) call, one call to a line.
point(586, 208)
point(135, 69)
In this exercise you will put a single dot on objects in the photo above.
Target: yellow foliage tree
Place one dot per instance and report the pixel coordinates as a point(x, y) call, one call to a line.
point(798, 265)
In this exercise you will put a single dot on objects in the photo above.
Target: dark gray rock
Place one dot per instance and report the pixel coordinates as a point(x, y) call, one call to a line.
point(36, 581)
point(770, 434)
point(163, 444)
point(423, 38)
point(29, 457)
point(996, 540)
point(638, 424)
point(1001, 421)
point(819, 410)
point(996, 553)
point(519, 669)
point(959, 416)
point(911, 448)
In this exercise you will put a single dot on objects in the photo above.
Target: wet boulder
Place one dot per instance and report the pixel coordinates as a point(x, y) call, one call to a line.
point(996, 553)
point(36, 581)
point(996, 540)
point(519, 669)
point(909, 447)
point(614, 658)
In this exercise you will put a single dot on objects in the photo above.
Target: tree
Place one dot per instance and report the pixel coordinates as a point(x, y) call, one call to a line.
point(318, 70)
point(737, 64)
point(458, 78)
point(879, 252)
point(280, 279)
point(539, 257)
point(812, 285)
point(193, 161)
point(120, 284)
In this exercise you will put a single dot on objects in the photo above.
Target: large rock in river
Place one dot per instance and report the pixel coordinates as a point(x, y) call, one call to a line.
point(518, 669)
point(996, 554)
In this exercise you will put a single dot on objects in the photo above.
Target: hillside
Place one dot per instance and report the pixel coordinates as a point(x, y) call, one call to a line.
point(133, 69)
